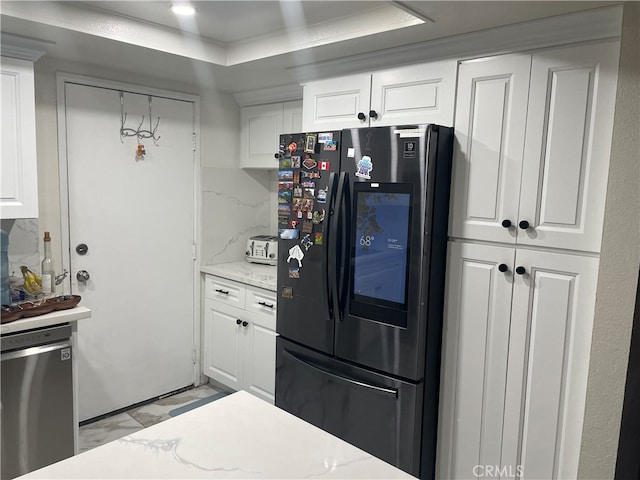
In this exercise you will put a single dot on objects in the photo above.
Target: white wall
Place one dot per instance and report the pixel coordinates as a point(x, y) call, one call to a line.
point(619, 263)
point(225, 223)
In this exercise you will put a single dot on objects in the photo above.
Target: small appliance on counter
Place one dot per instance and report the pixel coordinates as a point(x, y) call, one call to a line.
point(262, 249)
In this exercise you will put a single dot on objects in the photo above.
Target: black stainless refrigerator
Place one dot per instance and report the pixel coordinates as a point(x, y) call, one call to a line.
point(362, 244)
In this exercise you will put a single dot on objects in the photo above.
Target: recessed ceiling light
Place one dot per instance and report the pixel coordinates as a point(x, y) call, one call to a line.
point(183, 9)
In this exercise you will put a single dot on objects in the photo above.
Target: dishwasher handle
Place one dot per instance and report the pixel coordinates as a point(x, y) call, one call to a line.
point(36, 350)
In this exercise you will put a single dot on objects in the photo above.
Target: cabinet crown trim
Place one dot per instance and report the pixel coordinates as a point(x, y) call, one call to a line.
point(283, 93)
point(23, 48)
point(596, 24)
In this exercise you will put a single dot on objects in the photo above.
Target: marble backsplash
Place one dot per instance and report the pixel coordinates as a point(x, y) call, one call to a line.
point(24, 243)
point(236, 204)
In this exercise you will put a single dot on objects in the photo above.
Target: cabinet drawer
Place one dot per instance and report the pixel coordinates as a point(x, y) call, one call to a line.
point(225, 291)
point(263, 303)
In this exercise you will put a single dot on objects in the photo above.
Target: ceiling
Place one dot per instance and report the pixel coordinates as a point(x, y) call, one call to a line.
point(244, 45)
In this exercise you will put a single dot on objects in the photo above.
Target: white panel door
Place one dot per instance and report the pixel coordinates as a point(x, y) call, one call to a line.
point(550, 342)
point(19, 165)
point(336, 103)
point(422, 93)
point(474, 358)
point(292, 117)
point(566, 157)
point(223, 346)
point(489, 128)
point(260, 361)
point(137, 218)
point(260, 127)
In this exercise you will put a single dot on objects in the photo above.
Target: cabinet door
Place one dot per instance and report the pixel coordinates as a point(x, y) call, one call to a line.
point(552, 318)
point(489, 128)
point(474, 358)
point(416, 94)
point(19, 179)
point(566, 156)
point(260, 361)
point(292, 117)
point(335, 103)
point(222, 347)
point(260, 127)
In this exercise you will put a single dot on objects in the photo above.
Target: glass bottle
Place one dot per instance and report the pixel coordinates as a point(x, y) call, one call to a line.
point(48, 275)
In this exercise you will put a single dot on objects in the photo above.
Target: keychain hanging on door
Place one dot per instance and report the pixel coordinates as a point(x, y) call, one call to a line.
point(140, 153)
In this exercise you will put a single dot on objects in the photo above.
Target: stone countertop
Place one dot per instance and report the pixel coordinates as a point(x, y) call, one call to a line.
point(238, 436)
point(60, 316)
point(262, 276)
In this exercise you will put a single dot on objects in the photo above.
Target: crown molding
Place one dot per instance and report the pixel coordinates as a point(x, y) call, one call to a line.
point(262, 96)
point(596, 24)
point(24, 48)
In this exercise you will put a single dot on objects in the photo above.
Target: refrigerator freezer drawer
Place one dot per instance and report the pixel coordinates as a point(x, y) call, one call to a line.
point(376, 413)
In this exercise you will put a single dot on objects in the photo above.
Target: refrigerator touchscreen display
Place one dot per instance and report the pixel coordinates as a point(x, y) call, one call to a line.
point(381, 245)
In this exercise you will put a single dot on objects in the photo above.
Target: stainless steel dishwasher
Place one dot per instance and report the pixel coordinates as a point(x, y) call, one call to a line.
point(37, 399)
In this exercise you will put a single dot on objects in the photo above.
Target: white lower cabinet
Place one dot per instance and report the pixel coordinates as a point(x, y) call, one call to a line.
point(515, 362)
point(239, 336)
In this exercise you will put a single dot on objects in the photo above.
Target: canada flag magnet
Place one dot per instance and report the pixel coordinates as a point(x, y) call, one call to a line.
point(324, 165)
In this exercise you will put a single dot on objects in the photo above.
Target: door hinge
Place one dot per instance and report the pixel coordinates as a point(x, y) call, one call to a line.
point(194, 252)
point(194, 141)
point(193, 355)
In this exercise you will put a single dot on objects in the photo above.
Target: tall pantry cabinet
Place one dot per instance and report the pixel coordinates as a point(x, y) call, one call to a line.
point(533, 136)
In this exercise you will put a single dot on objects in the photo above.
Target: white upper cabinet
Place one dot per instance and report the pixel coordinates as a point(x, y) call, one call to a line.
point(533, 138)
point(336, 103)
point(261, 125)
point(19, 168)
point(421, 93)
point(489, 137)
point(567, 147)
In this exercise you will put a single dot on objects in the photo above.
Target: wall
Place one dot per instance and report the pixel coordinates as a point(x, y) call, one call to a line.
point(619, 260)
point(232, 200)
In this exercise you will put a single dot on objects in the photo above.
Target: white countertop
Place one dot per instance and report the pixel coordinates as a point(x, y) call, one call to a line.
point(238, 436)
point(60, 316)
point(262, 276)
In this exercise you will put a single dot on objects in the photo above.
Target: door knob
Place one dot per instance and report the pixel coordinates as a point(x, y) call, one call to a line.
point(373, 114)
point(83, 276)
point(82, 249)
point(361, 116)
point(506, 223)
point(521, 270)
point(503, 267)
point(524, 225)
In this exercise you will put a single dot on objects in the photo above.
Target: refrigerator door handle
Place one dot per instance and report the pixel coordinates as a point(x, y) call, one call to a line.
point(391, 392)
point(328, 267)
point(332, 256)
point(345, 225)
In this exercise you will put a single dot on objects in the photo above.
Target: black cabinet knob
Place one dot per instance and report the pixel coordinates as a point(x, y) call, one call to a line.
point(503, 267)
point(238, 321)
point(521, 270)
point(373, 114)
point(506, 223)
point(361, 116)
point(276, 155)
point(244, 324)
point(523, 224)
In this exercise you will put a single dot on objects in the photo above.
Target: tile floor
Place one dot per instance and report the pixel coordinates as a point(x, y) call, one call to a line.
point(108, 429)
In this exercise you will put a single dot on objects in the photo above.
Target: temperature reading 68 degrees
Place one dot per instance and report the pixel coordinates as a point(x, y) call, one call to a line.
point(366, 240)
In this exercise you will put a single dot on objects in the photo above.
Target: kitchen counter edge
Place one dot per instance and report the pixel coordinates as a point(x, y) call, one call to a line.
point(257, 275)
point(61, 316)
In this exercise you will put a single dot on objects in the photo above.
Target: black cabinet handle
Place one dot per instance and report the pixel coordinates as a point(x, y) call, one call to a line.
point(238, 321)
point(503, 267)
point(521, 270)
point(506, 223)
point(361, 116)
point(264, 304)
point(224, 292)
point(373, 114)
point(524, 225)
point(244, 324)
